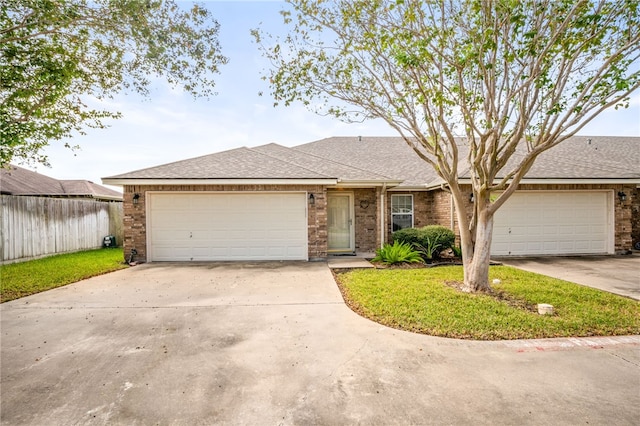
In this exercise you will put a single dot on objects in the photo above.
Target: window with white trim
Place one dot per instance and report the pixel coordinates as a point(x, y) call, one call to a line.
point(401, 212)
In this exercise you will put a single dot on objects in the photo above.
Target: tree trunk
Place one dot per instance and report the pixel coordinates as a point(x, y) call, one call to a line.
point(476, 265)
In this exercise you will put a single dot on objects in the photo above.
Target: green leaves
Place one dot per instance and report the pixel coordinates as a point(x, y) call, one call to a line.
point(398, 252)
point(56, 55)
point(508, 75)
point(430, 67)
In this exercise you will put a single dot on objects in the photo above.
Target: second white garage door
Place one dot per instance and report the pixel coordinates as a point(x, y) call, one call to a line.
point(217, 226)
point(539, 223)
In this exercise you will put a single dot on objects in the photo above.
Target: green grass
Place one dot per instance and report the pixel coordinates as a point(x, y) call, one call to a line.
point(418, 300)
point(22, 279)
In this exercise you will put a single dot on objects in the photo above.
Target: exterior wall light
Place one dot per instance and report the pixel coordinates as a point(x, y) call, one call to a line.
point(312, 199)
point(471, 198)
point(622, 196)
point(136, 199)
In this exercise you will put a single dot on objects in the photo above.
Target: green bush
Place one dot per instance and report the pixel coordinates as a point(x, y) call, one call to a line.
point(431, 239)
point(397, 253)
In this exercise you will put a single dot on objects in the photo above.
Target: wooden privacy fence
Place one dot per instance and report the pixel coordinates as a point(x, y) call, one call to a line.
point(38, 226)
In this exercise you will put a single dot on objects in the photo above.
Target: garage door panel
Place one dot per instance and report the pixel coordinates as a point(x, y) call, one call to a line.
point(171, 236)
point(553, 223)
point(170, 252)
point(214, 226)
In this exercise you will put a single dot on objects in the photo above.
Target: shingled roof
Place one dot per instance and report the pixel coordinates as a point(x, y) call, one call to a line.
point(16, 180)
point(391, 160)
point(271, 161)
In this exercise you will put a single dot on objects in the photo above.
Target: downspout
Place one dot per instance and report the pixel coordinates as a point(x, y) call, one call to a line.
point(383, 193)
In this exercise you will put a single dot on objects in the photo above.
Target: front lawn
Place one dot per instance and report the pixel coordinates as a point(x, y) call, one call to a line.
point(426, 301)
point(22, 279)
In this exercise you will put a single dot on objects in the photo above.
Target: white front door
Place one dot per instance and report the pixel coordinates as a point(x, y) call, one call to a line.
point(340, 222)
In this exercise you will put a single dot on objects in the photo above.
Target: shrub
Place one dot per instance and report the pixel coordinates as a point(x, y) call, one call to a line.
point(397, 253)
point(431, 239)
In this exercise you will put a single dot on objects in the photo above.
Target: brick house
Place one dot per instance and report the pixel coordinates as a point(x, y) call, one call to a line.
point(346, 195)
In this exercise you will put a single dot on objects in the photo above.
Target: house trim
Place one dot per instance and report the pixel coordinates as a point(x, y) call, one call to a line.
point(552, 181)
point(127, 181)
point(365, 183)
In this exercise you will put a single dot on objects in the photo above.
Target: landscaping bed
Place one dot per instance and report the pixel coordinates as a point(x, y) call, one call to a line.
point(428, 301)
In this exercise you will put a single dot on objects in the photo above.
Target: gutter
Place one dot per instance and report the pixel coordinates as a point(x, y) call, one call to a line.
point(343, 183)
point(128, 181)
point(561, 181)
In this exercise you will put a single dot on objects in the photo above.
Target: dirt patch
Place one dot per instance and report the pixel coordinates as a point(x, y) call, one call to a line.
point(500, 296)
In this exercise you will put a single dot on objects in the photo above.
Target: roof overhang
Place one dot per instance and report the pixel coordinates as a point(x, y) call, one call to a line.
point(410, 188)
point(133, 181)
point(552, 181)
point(561, 181)
point(343, 183)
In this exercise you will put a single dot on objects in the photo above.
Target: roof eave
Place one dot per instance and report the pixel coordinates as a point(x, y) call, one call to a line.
point(267, 181)
point(560, 181)
point(373, 183)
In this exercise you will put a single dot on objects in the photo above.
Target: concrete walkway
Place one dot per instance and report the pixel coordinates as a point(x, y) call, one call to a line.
point(349, 262)
point(273, 343)
point(615, 274)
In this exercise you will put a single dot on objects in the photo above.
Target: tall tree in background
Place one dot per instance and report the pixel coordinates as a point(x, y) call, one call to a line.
point(56, 55)
point(504, 74)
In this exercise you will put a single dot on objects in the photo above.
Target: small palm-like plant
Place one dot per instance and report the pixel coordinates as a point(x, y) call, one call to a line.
point(430, 249)
point(397, 253)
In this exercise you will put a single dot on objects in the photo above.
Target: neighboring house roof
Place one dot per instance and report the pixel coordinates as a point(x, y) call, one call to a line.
point(388, 160)
point(16, 180)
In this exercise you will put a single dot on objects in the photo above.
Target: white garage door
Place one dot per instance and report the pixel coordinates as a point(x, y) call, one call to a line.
point(533, 223)
point(215, 226)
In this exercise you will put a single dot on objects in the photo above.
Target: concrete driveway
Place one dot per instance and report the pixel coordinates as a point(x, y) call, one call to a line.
point(615, 274)
point(273, 343)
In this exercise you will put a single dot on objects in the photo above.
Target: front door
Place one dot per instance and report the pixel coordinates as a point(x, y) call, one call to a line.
point(340, 222)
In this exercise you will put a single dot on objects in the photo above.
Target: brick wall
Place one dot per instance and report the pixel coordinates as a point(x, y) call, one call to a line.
point(635, 214)
point(367, 227)
point(440, 212)
point(135, 235)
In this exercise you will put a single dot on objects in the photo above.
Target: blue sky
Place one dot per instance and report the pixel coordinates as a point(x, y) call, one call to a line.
point(170, 126)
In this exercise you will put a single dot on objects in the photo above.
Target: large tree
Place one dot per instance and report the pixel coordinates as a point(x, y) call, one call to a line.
point(59, 56)
point(503, 74)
